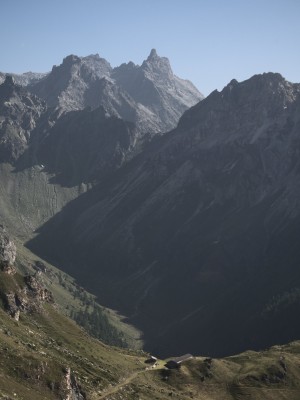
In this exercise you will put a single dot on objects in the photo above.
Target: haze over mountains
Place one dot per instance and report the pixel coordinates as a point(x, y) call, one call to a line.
point(192, 233)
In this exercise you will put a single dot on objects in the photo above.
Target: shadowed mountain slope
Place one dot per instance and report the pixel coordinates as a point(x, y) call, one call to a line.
point(46, 355)
point(199, 232)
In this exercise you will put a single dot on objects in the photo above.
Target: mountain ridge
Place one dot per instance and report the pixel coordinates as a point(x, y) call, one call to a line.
point(71, 87)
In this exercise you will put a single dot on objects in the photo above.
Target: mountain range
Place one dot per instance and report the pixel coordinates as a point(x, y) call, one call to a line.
point(149, 95)
point(180, 212)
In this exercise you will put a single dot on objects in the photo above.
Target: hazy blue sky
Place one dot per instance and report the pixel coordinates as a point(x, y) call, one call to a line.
point(209, 42)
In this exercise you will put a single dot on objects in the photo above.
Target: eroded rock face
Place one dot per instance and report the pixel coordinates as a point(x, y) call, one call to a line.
point(24, 79)
point(149, 95)
point(19, 297)
point(8, 251)
point(36, 290)
point(71, 387)
point(28, 298)
point(19, 113)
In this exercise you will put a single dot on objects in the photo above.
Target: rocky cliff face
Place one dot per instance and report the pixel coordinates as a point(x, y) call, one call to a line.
point(7, 249)
point(18, 294)
point(154, 85)
point(86, 145)
point(205, 221)
point(25, 79)
point(149, 95)
point(68, 84)
point(20, 112)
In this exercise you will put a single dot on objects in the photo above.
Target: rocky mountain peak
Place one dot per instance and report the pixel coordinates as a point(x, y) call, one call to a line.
point(158, 66)
point(269, 82)
point(270, 90)
point(97, 64)
point(71, 59)
point(260, 100)
point(94, 56)
point(153, 55)
point(74, 66)
point(149, 95)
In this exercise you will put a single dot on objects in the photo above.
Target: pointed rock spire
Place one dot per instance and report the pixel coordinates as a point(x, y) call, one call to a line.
point(152, 55)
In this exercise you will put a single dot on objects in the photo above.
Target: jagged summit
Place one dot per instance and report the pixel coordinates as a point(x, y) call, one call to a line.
point(265, 80)
point(158, 65)
point(271, 90)
point(149, 95)
point(152, 55)
point(70, 59)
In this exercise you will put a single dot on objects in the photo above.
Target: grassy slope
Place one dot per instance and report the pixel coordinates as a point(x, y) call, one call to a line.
point(27, 200)
point(63, 288)
point(36, 352)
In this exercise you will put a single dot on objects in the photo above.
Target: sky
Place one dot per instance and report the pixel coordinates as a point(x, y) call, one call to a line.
point(208, 42)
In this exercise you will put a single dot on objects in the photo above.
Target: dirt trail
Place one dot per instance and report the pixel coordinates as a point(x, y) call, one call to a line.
point(128, 380)
point(121, 385)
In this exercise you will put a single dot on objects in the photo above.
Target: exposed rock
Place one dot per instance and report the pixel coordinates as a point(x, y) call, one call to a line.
point(7, 252)
point(68, 84)
point(154, 86)
point(37, 291)
point(149, 95)
point(27, 299)
point(72, 388)
point(8, 268)
point(24, 79)
point(19, 115)
point(39, 266)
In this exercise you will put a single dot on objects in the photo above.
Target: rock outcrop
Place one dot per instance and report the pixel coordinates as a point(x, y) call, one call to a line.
point(20, 112)
point(25, 79)
point(8, 251)
point(28, 297)
point(71, 388)
point(18, 294)
point(35, 289)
